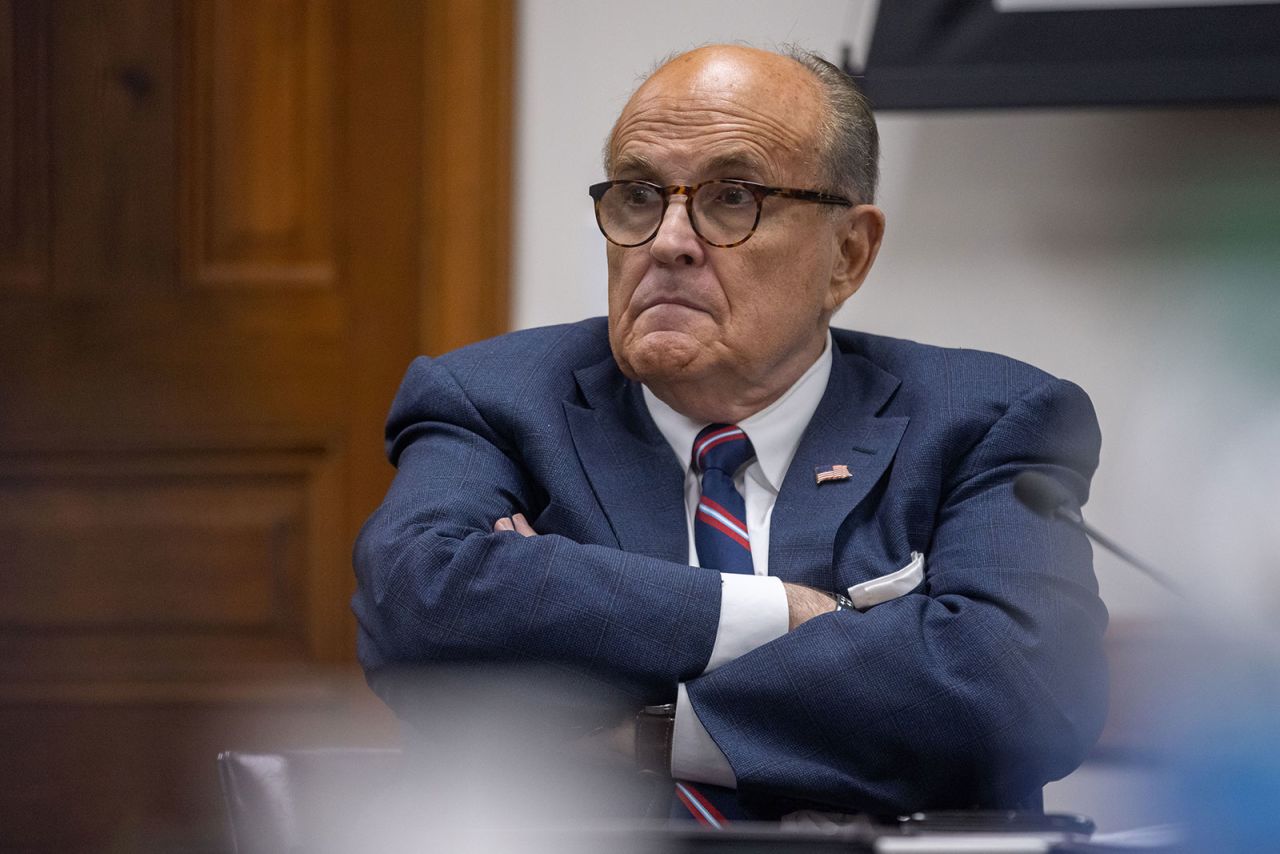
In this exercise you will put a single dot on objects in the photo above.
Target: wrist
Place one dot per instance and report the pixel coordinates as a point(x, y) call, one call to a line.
point(804, 603)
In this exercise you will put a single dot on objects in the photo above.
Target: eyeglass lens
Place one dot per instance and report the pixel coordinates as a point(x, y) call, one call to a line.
point(721, 212)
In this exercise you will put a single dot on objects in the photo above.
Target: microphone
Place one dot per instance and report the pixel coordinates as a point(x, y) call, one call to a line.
point(1047, 497)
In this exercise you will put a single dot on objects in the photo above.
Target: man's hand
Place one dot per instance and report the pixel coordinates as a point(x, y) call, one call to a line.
point(805, 603)
point(517, 523)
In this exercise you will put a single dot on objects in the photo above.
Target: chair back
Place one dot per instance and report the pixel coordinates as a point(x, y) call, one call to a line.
point(288, 801)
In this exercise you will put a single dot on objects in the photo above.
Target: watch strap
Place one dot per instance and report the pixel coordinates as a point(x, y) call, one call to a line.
point(655, 729)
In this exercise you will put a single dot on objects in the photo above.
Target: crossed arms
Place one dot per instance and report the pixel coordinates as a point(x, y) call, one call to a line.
point(972, 691)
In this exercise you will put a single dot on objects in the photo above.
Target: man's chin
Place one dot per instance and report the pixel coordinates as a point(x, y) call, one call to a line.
point(660, 356)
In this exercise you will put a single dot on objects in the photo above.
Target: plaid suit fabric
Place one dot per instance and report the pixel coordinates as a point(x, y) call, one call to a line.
point(1001, 687)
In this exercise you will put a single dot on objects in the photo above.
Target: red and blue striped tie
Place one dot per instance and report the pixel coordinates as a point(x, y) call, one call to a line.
point(720, 525)
point(723, 543)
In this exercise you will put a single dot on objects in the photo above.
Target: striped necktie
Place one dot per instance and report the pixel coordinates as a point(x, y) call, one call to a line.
point(723, 543)
point(720, 525)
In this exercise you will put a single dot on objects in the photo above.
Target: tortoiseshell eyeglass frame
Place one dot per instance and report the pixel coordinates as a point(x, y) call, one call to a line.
point(758, 191)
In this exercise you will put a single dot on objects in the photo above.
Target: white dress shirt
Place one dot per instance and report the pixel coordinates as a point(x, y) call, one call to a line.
point(753, 608)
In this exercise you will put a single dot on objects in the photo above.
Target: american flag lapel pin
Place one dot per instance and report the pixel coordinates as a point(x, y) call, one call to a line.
point(827, 475)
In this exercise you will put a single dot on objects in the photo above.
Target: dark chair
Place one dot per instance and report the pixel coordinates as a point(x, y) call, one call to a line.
point(291, 801)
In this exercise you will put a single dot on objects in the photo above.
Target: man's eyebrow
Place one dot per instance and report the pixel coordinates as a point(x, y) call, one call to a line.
point(734, 164)
point(634, 164)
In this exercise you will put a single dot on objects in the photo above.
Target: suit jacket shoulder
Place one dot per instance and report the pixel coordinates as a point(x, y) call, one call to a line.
point(514, 383)
point(970, 378)
point(963, 393)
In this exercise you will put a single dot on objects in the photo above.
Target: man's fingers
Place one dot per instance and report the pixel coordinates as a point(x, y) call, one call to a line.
point(515, 523)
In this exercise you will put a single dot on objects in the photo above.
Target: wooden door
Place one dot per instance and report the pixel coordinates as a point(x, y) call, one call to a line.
point(225, 228)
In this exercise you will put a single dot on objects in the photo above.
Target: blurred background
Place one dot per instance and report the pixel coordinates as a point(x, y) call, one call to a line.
point(226, 227)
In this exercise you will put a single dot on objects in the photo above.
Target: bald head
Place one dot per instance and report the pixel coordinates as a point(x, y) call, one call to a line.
point(823, 101)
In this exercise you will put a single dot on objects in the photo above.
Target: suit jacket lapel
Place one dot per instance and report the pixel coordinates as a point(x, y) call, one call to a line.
point(844, 430)
point(633, 471)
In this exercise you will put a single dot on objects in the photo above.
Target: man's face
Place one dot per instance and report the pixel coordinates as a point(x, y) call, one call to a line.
point(681, 310)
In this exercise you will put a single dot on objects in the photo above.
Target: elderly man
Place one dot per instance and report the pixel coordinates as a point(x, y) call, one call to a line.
point(795, 548)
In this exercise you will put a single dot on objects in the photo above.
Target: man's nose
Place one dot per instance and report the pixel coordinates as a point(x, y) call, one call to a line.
point(676, 241)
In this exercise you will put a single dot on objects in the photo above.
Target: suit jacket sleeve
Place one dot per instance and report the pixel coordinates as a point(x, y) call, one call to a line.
point(973, 690)
point(436, 584)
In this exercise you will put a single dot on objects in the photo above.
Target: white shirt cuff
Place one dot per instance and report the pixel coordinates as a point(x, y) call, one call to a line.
point(694, 755)
point(753, 611)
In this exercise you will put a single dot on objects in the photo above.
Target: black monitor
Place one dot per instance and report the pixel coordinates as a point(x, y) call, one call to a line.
point(947, 54)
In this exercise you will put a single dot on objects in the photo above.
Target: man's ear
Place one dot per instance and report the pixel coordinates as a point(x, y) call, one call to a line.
point(859, 242)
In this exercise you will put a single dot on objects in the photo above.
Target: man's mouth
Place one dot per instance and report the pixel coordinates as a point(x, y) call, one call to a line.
point(667, 300)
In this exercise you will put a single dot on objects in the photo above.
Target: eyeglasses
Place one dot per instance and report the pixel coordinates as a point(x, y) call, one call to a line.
point(723, 213)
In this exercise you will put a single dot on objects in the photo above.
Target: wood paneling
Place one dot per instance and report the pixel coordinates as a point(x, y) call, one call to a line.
point(158, 565)
point(200, 371)
point(468, 182)
point(226, 227)
point(24, 166)
point(142, 552)
point(112, 67)
point(260, 142)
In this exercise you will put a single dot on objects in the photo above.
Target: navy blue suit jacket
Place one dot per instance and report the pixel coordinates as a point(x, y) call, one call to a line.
point(974, 689)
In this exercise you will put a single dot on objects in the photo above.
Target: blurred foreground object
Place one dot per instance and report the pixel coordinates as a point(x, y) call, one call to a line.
point(494, 760)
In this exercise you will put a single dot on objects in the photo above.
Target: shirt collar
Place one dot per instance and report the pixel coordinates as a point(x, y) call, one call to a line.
point(774, 431)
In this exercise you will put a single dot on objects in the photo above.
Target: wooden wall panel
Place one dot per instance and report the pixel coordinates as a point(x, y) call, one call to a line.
point(168, 566)
point(197, 373)
point(467, 185)
point(142, 553)
point(226, 226)
point(24, 166)
point(113, 125)
point(259, 144)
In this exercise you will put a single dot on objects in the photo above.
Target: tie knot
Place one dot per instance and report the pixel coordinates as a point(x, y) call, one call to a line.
point(723, 447)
